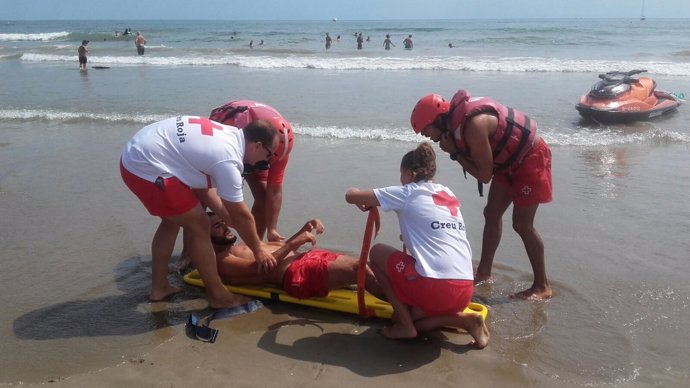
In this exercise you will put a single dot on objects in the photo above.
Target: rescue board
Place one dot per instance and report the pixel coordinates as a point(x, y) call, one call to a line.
point(101, 67)
point(342, 300)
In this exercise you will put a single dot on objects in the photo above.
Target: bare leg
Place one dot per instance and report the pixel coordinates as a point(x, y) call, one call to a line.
point(258, 189)
point(343, 272)
point(497, 203)
point(472, 323)
point(184, 262)
point(523, 224)
point(196, 224)
point(161, 250)
point(403, 326)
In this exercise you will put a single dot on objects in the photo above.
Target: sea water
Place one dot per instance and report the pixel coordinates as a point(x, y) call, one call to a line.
point(75, 242)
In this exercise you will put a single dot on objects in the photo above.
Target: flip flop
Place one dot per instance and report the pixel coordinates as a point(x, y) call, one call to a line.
point(230, 312)
point(198, 327)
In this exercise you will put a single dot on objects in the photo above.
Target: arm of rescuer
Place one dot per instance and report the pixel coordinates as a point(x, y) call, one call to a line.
point(480, 161)
point(363, 199)
point(242, 220)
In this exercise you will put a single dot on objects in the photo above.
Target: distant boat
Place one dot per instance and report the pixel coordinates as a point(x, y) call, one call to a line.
point(642, 17)
point(335, 19)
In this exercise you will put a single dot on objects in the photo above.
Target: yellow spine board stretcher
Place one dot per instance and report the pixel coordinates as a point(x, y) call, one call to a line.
point(343, 300)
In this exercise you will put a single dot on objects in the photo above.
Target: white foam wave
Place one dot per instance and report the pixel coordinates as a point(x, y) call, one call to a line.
point(34, 114)
point(578, 137)
point(584, 137)
point(33, 37)
point(358, 133)
point(457, 63)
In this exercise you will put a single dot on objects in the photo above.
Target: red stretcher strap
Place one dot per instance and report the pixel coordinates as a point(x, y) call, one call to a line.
point(373, 221)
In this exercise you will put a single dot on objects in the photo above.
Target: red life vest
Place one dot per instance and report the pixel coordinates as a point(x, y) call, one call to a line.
point(513, 138)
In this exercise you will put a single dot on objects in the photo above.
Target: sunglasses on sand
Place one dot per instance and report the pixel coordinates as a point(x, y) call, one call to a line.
point(201, 332)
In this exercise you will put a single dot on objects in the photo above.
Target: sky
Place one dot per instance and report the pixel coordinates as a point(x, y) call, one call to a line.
point(340, 9)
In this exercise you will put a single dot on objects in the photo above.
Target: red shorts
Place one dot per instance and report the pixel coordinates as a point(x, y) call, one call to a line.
point(171, 198)
point(307, 276)
point(433, 296)
point(530, 183)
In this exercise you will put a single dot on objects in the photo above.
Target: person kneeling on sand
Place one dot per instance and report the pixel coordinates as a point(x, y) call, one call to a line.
point(302, 275)
point(430, 286)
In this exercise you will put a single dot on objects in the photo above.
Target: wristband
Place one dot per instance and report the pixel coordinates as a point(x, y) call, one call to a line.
point(454, 155)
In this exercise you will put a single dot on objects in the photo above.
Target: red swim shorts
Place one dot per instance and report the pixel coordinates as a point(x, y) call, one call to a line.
point(530, 183)
point(307, 276)
point(433, 296)
point(171, 198)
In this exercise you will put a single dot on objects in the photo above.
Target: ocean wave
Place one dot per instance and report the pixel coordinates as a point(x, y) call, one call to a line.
point(437, 63)
point(573, 137)
point(595, 137)
point(583, 137)
point(34, 37)
point(51, 115)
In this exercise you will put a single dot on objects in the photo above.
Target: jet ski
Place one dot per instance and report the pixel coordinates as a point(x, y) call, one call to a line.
point(621, 97)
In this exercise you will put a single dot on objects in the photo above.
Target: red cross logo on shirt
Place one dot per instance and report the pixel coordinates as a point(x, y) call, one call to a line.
point(443, 199)
point(207, 126)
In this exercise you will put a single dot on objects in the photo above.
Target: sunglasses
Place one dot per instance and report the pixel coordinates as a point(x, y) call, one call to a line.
point(201, 332)
point(270, 153)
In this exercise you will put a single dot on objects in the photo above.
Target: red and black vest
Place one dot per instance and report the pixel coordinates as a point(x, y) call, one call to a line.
point(513, 138)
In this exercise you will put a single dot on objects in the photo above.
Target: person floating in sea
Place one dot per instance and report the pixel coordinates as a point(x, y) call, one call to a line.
point(173, 166)
point(429, 283)
point(83, 51)
point(496, 144)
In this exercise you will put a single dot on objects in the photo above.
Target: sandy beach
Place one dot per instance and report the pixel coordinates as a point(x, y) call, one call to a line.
point(76, 243)
point(279, 346)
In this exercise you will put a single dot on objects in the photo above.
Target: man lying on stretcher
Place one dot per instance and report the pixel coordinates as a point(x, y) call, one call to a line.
point(301, 275)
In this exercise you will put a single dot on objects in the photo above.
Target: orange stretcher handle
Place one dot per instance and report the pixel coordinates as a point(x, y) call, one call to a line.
point(373, 220)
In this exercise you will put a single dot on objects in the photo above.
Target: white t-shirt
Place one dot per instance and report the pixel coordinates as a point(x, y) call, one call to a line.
point(432, 228)
point(199, 152)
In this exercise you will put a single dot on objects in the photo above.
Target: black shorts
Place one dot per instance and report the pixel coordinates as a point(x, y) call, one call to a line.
point(82, 60)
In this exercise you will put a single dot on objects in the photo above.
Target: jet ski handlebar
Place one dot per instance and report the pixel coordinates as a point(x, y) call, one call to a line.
point(620, 76)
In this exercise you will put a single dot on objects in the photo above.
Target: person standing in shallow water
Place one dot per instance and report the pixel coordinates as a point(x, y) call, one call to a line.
point(328, 41)
point(83, 51)
point(140, 42)
point(496, 144)
point(408, 43)
point(388, 42)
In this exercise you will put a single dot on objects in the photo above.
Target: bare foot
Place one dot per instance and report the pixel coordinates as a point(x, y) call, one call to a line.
point(479, 332)
point(534, 293)
point(397, 331)
point(229, 300)
point(481, 278)
point(162, 294)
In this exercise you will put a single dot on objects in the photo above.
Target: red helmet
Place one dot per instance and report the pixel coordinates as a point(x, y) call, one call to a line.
point(426, 111)
point(286, 137)
point(240, 113)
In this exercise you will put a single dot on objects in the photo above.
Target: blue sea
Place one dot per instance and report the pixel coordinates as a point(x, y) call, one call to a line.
point(75, 242)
